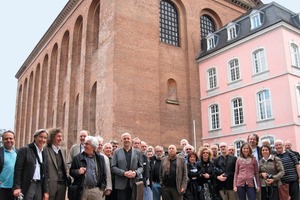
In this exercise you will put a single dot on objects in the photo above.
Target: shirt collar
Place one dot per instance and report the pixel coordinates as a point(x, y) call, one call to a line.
point(38, 150)
point(55, 149)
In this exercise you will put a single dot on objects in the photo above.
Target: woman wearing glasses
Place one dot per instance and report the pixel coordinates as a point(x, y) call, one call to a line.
point(207, 176)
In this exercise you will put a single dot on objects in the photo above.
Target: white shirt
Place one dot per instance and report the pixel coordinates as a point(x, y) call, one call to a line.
point(37, 171)
point(55, 149)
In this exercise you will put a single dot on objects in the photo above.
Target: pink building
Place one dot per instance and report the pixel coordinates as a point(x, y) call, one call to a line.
point(250, 78)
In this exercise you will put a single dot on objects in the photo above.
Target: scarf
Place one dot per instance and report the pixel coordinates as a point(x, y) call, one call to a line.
point(168, 164)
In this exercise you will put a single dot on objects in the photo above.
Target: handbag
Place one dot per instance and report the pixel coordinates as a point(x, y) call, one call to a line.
point(283, 191)
point(73, 192)
point(148, 195)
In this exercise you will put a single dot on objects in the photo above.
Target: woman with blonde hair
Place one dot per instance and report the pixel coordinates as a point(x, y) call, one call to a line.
point(246, 177)
point(206, 166)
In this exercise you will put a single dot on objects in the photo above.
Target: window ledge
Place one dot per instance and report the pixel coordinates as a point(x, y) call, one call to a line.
point(174, 102)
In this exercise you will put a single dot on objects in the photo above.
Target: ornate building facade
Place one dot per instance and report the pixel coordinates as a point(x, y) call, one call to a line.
point(115, 66)
point(252, 71)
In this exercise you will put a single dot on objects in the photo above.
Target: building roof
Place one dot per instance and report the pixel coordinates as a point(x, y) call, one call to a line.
point(270, 14)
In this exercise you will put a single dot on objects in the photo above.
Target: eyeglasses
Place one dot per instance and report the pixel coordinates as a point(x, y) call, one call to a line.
point(205, 152)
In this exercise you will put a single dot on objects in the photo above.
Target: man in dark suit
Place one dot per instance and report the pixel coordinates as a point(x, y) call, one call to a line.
point(57, 165)
point(225, 163)
point(31, 169)
point(8, 155)
point(127, 166)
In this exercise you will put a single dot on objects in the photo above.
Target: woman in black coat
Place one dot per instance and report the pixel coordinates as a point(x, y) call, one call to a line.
point(207, 177)
point(192, 191)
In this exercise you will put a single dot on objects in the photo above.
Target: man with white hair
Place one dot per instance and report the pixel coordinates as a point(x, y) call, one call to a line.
point(88, 171)
point(225, 163)
point(183, 143)
point(127, 166)
point(291, 169)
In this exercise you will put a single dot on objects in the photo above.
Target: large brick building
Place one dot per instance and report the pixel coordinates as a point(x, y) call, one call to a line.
point(111, 66)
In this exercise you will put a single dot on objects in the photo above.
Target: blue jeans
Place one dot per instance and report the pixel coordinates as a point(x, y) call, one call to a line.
point(156, 189)
point(243, 190)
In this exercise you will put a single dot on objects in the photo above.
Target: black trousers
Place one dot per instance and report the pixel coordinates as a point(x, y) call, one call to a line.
point(6, 193)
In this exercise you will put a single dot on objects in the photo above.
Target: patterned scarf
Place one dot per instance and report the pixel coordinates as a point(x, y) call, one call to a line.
point(168, 164)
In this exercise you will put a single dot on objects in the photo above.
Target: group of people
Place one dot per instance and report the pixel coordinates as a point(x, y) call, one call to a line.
point(258, 173)
point(94, 170)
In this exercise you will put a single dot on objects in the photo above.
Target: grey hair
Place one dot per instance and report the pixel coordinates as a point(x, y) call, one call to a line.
point(93, 140)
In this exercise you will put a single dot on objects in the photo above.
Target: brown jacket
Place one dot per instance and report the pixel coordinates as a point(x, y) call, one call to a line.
point(181, 172)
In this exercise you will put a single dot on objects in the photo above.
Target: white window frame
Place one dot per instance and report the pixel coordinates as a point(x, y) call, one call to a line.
point(259, 61)
point(237, 111)
point(211, 40)
point(234, 70)
point(212, 78)
point(298, 98)
point(231, 31)
point(214, 116)
point(264, 105)
point(255, 19)
point(295, 55)
point(237, 145)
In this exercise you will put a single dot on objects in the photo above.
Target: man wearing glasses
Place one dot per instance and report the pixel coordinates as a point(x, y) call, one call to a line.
point(225, 163)
point(88, 171)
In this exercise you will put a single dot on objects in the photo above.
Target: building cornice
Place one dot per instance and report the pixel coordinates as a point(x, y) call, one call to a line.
point(48, 35)
point(244, 4)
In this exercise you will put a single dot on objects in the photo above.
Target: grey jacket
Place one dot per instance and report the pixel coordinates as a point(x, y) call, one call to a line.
point(118, 167)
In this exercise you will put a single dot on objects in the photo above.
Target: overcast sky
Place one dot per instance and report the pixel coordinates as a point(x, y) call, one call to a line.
point(22, 26)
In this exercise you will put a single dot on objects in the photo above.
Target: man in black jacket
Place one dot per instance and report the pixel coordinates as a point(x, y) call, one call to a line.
point(225, 165)
point(88, 171)
point(31, 169)
point(8, 155)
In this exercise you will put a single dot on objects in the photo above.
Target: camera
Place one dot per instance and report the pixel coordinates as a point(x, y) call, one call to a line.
point(225, 175)
point(269, 176)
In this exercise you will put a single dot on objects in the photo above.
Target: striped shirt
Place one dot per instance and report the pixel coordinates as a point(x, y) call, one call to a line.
point(289, 162)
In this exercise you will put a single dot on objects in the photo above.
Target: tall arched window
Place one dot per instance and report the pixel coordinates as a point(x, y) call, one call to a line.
point(237, 111)
point(264, 105)
point(168, 23)
point(295, 55)
point(214, 113)
point(207, 26)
